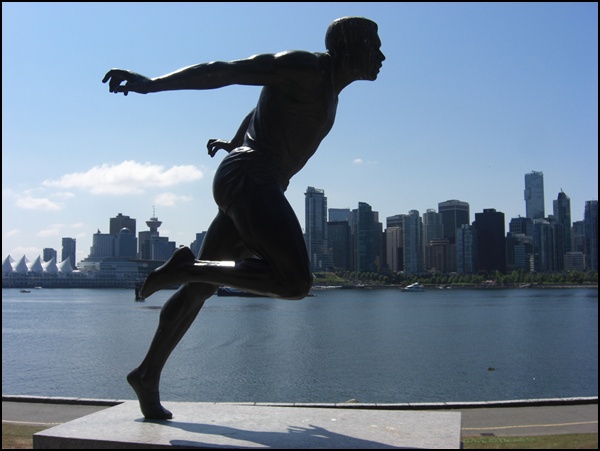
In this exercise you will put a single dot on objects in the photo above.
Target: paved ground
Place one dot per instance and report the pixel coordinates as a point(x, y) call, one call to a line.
point(519, 418)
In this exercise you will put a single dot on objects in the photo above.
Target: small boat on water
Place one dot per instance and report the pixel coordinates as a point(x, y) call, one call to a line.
point(25, 291)
point(413, 287)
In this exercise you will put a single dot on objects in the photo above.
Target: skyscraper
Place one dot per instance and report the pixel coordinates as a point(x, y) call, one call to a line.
point(590, 224)
point(412, 243)
point(534, 195)
point(433, 227)
point(119, 222)
point(315, 231)
point(364, 245)
point(68, 251)
point(491, 245)
point(454, 213)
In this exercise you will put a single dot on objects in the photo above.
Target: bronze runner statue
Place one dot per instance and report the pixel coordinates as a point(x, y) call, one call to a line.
point(255, 243)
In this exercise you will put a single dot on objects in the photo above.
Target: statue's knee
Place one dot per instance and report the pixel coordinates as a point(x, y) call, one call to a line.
point(298, 287)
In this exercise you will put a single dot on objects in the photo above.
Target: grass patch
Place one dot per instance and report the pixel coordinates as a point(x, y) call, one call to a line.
point(19, 436)
point(566, 441)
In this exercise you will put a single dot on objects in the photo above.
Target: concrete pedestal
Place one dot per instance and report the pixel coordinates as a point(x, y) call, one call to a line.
point(224, 425)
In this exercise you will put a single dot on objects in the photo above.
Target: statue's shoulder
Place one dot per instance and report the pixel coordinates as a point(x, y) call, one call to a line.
point(299, 58)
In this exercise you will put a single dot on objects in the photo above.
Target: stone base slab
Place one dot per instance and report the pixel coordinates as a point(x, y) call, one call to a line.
point(229, 425)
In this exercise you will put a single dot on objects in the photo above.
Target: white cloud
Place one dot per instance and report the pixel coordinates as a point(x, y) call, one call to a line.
point(50, 231)
point(170, 199)
point(28, 202)
point(357, 161)
point(128, 177)
point(13, 232)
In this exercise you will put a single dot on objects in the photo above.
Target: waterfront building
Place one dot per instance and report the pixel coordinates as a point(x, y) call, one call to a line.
point(412, 243)
point(534, 195)
point(394, 251)
point(68, 251)
point(543, 246)
point(365, 239)
point(574, 261)
point(125, 244)
point(437, 255)
point(578, 237)
point(315, 230)
point(491, 243)
point(146, 237)
point(562, 215)
point(50, 266)
point(103, 245)
point(519, 251)
point(338, 237)
point(521, 226)
point(455, 213)
point(121, 221)
point(433, 227)
point(466, 250)
point(590, 222)
point(48, 254)
point(339, 214)
point(197, 243)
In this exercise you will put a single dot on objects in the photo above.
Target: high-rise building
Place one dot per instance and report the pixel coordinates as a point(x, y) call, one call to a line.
point(119, 222)
point(433, 227)
point(315, 231)
point(544, 252)
point(412, 243)
point(49, 254)
point(590, 224)
point(491, 244)
point(125, 244)
point(146, 237)
point(454, 213)
point(103, 245)
point(534, 195)
point(338, 237)
point(521, 226)
point(466, 250)
point(339, 214)
point(365, 242)
point(562, 215)
point(197, 243)
point(394, 255)
point(68, 251)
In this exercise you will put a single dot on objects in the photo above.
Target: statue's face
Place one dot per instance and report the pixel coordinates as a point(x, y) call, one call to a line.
point(366, 57)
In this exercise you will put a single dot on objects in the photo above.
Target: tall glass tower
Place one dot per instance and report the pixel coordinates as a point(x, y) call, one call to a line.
point(534, 195)
point(590, 224)
point(562, 215)
point(315, 231)
point(455, 213)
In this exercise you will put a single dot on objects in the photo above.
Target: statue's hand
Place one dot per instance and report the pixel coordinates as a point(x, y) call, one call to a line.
point(214, 145)
point(133, 82)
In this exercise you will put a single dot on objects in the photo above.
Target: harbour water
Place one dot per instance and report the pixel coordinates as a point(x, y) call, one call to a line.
point(374, 346)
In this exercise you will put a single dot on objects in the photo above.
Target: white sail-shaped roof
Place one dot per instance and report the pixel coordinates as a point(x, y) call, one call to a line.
point(50, 266)
point(7, 265)
point(20, 266)
point(36, 266)
point(65, 266)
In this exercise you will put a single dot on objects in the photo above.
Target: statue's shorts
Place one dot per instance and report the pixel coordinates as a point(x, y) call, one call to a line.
point(243, 170)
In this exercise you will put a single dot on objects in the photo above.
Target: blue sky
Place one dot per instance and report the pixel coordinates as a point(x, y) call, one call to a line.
point(471, 97)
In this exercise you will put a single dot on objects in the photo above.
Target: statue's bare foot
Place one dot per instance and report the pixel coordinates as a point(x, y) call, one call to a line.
point(166, 275)
point(149, 400)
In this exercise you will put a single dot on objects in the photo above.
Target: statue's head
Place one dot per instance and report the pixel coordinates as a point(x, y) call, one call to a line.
point(355, 39)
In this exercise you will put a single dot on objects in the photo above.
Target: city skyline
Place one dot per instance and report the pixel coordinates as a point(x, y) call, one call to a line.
point(470, 98)
point(310, 191)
